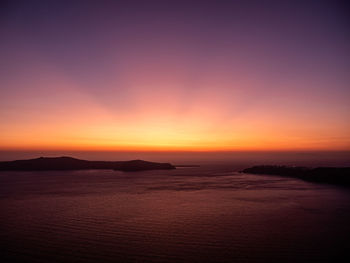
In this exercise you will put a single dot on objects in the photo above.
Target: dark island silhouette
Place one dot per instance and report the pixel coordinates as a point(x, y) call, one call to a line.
point(330, 175)
point(69, 163)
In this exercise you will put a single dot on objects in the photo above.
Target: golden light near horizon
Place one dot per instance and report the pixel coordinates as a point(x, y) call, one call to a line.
point(90, 127)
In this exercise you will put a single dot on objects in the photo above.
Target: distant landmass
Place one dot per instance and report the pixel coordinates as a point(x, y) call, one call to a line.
point(330, 175)
point(69, 163)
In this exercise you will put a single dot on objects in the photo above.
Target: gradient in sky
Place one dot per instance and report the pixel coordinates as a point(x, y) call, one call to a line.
point(174, 75)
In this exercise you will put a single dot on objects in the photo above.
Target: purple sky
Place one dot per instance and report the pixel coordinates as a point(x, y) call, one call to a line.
point(174, 75)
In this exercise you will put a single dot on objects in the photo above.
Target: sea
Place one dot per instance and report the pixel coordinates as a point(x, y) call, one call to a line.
point(210, 213)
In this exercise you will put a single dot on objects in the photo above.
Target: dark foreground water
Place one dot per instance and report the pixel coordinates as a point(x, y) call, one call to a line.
point(186, 215)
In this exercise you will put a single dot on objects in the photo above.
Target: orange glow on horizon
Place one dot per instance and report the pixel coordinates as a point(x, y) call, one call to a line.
point(166, 137)
point(76, 120)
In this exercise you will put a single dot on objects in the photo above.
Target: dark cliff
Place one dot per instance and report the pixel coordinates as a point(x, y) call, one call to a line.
point(69, 163)
point(331, 175)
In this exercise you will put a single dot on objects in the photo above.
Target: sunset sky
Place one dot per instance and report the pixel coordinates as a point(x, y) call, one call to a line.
point(174, 75)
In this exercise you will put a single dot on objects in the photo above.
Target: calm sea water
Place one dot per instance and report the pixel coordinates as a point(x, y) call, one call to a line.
point(205, 214)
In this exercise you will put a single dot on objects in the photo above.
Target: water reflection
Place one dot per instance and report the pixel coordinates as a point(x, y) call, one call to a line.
point(206, 214)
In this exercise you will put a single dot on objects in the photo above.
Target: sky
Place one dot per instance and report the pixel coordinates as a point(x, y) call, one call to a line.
point(174, 75)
